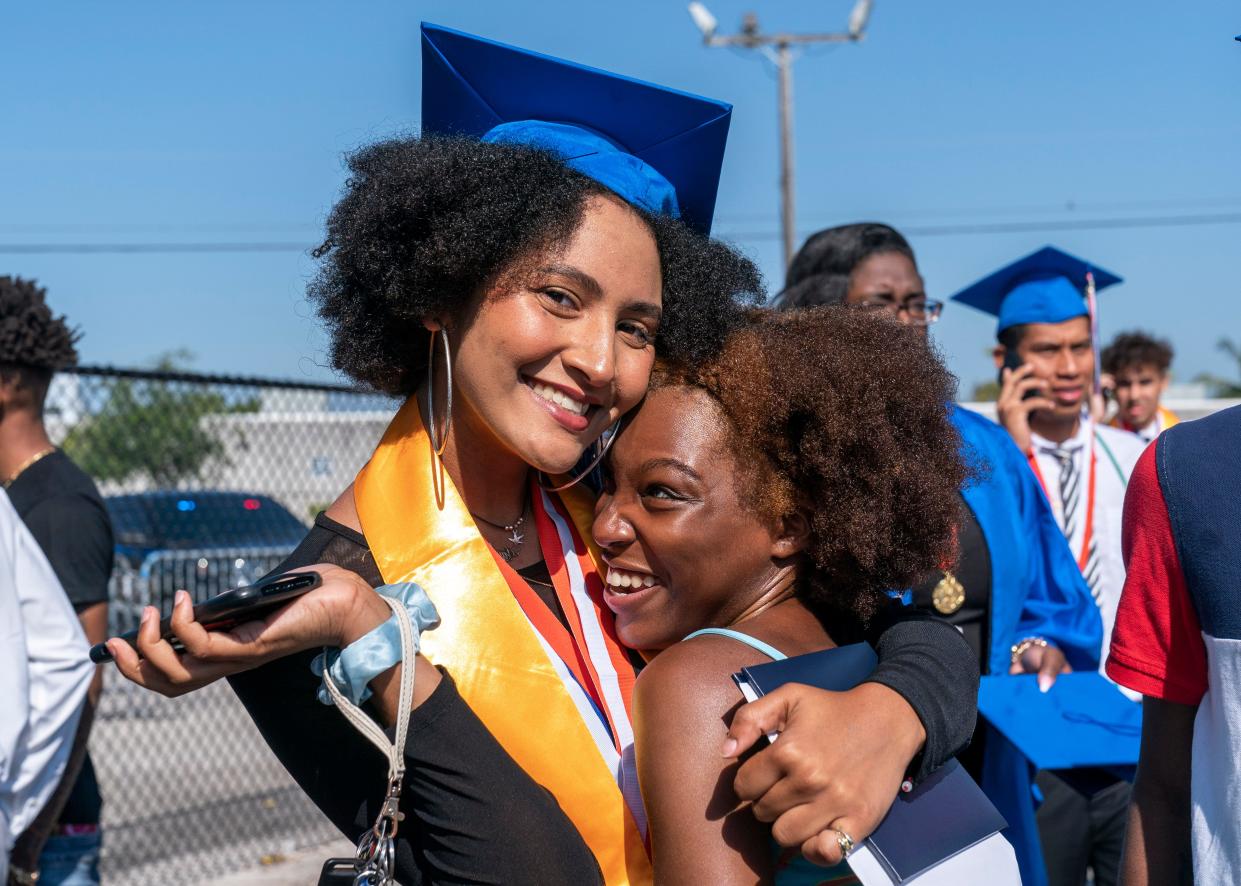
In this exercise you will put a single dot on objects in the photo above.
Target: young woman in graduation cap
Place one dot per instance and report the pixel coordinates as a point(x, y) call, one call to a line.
point(1014, 591)
point(512, 274)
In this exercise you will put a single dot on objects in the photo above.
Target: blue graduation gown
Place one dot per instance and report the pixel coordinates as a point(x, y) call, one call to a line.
point(1037, 590)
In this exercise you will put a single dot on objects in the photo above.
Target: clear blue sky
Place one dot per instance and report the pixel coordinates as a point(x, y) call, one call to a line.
point(224, 122)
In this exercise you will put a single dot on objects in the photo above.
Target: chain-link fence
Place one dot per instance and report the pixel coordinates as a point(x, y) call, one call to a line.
point(210, 482)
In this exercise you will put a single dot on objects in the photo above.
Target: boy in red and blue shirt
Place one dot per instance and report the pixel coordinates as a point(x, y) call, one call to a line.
point(1177, 640)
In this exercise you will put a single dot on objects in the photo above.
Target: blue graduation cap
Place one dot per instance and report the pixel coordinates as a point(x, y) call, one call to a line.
point(1047, 286)
point(1083, 720)
point(658, 148)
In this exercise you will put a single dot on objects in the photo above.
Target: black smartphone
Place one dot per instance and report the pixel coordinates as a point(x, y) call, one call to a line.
point(1013, 361)
point(229, 609)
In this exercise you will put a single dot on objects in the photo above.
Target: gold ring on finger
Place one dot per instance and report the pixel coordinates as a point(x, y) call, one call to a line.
point(844, 841)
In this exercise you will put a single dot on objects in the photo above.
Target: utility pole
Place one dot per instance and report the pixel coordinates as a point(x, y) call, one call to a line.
point(777, 47)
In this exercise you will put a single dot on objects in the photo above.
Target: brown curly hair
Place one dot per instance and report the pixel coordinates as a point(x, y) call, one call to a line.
point(845, 415)
point(1133, 349)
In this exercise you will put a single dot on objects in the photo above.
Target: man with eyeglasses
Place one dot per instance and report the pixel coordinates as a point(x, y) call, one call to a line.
point(1014, 591)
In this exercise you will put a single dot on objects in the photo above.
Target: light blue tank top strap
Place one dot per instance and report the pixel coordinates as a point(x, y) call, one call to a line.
point(791, 867)
point(753, 642)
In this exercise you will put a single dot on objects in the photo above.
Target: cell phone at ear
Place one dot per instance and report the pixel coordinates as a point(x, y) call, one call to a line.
point(230, 609)
point(1013, 361)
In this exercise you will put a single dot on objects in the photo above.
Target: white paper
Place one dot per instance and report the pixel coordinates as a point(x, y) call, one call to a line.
point(989, 863)
point(750, 695)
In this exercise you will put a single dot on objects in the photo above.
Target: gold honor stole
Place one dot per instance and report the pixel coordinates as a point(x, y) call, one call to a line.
point(557, 700)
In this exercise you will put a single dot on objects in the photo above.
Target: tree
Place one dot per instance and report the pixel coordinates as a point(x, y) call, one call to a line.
point(986, 391)
point(1223, 387)
point(151, 428)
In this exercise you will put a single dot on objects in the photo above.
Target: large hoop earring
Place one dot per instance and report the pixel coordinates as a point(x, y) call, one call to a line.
point(438, 443)
point(611, 434)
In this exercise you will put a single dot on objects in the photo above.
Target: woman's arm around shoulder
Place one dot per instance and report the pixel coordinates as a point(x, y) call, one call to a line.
point(699, 830)
point(927, 662)
point(916, 710)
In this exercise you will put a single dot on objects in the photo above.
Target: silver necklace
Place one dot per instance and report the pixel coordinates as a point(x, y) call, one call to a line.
point(517, 538)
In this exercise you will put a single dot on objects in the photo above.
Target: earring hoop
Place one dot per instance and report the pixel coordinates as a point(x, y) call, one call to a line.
point(438, 442)
point(611, 434)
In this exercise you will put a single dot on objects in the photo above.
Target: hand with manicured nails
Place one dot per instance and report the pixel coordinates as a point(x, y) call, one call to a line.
point(1046, 661)
point(340, 610)
point(837, 765)
point(1012, 409)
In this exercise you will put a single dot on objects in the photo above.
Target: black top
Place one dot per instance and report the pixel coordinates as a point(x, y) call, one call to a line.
point(472, 813)
point(62, 509)
point(540, 581)
point(962, 594)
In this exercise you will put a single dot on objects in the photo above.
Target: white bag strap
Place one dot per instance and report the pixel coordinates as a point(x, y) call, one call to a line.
point(376, 850)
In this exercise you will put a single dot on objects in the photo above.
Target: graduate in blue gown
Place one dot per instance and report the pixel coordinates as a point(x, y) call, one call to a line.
point(1015, 586)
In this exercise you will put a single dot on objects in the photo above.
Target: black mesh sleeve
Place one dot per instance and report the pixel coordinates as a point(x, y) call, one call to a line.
point(472, 814)
point(930, 665)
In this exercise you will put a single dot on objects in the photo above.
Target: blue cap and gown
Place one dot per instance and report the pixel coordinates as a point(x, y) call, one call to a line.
point(1037, 588)
point(1047, 286)
point(659, 149)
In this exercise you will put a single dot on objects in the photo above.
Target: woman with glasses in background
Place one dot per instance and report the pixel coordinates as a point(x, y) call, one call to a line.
point(1014, 591)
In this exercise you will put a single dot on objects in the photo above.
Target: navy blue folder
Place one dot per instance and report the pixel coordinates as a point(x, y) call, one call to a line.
point(943, 815)
point(1095, 725)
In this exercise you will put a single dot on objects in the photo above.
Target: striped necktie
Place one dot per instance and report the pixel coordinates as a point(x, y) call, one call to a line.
point(1070, 504)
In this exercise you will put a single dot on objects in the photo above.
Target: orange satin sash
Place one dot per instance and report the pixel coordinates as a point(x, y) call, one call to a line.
point(486, 642)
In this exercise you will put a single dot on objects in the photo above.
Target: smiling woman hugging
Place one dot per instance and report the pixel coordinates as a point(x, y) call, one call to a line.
point(777, 492)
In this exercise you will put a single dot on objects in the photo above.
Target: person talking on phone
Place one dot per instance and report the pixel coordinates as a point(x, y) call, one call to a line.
point(1014, 591)
point(1046, 354)
point(512, 276)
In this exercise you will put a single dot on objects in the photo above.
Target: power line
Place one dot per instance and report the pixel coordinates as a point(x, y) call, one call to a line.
point(90, 248)
point(1025, 227)
point(1020, 227)
point(1069, 206)
point(152, 227)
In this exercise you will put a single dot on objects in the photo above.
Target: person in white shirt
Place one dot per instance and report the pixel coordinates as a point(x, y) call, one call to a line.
point(1136, 365)
point(44, 674)
point(1047, 356)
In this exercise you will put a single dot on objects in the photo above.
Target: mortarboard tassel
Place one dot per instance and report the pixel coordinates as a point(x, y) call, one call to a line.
point(1092, 307)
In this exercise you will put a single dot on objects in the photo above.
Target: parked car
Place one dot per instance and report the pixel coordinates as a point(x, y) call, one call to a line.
point(204, 542)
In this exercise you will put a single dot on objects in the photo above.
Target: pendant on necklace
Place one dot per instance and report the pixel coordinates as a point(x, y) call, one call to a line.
point(516, 538)
point(949, 595)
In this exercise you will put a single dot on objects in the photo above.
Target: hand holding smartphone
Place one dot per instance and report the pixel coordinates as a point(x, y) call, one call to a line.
point(1013, 362)
point(231, 608)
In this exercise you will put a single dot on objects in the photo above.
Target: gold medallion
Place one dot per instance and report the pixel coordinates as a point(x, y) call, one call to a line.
point(949, 594)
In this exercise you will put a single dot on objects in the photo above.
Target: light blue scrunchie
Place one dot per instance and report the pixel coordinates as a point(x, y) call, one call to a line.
point(353, 667)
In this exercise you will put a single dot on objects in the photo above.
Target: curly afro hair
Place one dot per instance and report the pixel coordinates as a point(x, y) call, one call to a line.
point(846, 416)
point(1130, 350)
point(31, 336)
point(426, 223)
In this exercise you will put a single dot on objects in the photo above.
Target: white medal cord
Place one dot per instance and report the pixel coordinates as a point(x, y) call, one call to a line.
point(376, 849)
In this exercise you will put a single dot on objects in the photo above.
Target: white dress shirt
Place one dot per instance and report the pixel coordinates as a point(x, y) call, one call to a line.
point(44, 673)
point(1116, 453)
